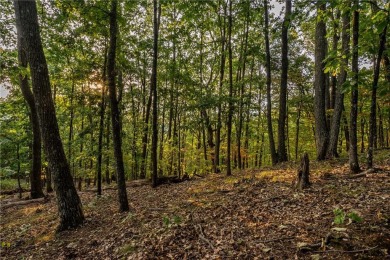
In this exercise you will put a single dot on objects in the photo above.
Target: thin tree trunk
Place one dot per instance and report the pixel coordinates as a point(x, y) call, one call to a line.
point(230, 101)
point(339, 95)
point(153, 89)
point(321, 130)
point(101, 127)
point(70, 136)
point(336, 38)
point(36, 166)
point(221, 77)
point(298, 128)
point(282, 153)
point(68, 201)
point(372, 122)
point(108, 179)
point(242, 90)
point(353, 158)
point(115, 117)
point(274, 156)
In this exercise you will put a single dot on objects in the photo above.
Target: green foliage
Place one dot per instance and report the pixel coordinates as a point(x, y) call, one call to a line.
point(12, 184)
point(340, 216)
point(171, 221)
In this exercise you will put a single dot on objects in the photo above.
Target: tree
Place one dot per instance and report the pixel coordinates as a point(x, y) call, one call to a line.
point(282, 152)
point(222, 25)
point(339, 95)
point(153, 90)
point(321, 129)
point(69, 204)
point(372, 122)
point(274, 157)
point(230, 101)
point(353, 159)
point(36, 166)
point(115, 117)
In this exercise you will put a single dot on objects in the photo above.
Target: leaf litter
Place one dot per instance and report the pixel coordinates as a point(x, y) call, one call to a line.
point(255, 214)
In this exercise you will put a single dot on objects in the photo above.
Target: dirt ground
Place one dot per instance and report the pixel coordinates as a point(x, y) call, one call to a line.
point(252, 215)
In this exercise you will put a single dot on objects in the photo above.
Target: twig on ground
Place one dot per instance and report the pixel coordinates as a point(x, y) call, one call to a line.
point(345, 251)
point(202, 236)
point(276, 239)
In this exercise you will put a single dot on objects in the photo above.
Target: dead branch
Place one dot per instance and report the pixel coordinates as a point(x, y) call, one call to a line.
point(202, 236)
point(345, 251)
point(276, 239)
point(363, 174)
point(23, 202)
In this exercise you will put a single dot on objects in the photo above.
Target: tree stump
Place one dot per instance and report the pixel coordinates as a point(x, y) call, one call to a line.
point(303, 173)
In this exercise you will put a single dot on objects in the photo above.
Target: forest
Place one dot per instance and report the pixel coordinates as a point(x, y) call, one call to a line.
point(195, 129)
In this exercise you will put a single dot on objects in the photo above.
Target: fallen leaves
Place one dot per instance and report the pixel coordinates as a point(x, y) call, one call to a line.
point(246, 216)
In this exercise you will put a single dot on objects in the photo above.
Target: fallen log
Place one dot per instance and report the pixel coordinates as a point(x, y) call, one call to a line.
point(23, 202)
point(362, 174)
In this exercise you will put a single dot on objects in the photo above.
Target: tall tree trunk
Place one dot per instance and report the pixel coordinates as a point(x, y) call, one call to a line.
point(220, 88)
point(321, 129)
point(108, 179)
point(36, 166)
point(298, 126)
point(339, 95)
point(282, 153)
point(274, 156)
point(101, 127)
point(68, 201)
point(230, 101)
point(353, 158)
point(242, 88)
point(115, 117)
point(153, 90)
point(134, 147)
point(336, 37)
point(372, 122)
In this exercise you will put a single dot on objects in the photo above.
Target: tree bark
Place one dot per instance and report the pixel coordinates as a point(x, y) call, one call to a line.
point(303, 173)
point(36, 166)
point(68, 201)
point(153, 90)
point(339, 95)
point(115, 117)
point(101, 126)
point(353, 158)
point(230, 101)
point(282, 153)
point(220, 88)
point(274, 156)
point(321, 129)
point(372, 121)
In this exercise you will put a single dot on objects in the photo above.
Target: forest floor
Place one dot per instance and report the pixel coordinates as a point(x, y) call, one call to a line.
point(254, 214)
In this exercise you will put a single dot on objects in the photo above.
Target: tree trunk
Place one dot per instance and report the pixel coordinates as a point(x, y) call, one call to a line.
point(153, 90)
point(336, 37)
point(274, 156)
point(70, 136)
point(230, 101)
point(68, 201)
point(115, 117)
point(36, 166)
point(282, 153)
point(101, 127)
point(303, 173)
point(321, 129)
point(372, 122)
point(339, 95)
point(353, 158)
point(220, 89)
